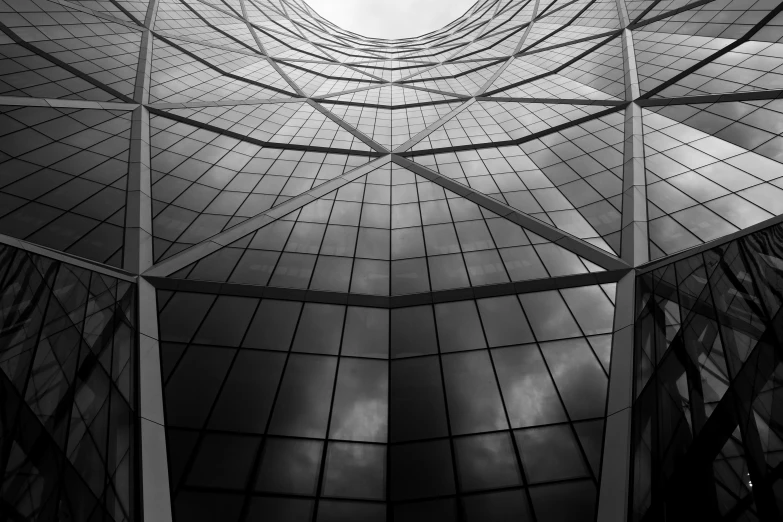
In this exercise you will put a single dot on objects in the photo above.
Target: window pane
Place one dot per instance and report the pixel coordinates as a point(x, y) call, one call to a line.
point(193, 387)
point(360, 410)
point(504, 506)
point(223, 461)
point(578, 376)
point(550, 453)
point(320, 329)
point(486, 462)
point(246, 399)
point(412, 331)
point(504, 321)
point(417, 409)
point(421, 469)
point(227, 321)
point(459, 327)
point(273, 326)
point(472, 392)
point(302, 406)
point(549, 316)
point(366, 332)
point(289, 466)
point(182, 315)
point(528, 391)
point(355, 471)
point(592, 309)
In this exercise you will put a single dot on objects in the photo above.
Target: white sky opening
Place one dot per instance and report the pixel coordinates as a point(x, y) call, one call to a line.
point(391, 18)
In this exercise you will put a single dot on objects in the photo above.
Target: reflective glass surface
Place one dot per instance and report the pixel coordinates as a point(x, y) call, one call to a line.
point(390, 280)
point(331, 402)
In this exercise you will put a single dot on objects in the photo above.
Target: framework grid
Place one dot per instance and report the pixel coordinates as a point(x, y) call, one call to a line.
point(255, 267)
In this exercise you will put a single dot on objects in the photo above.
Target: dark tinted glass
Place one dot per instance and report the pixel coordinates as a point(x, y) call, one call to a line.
point(417, 408)
point(421, 469)
point(302, 406)
point(360, 410)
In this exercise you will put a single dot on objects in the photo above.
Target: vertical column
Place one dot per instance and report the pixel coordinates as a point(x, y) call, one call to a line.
point(622, 13)
point(138, 220)
point(615, 488)
point(138, 226)
point(629, 65)
point(155, 495)
point(635, 248)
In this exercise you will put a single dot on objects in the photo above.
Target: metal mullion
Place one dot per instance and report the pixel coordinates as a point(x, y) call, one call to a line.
point(717, 54)
point(455, 470)
point(127, 13)
point(578, 246)
point(283, 251)
point(497, 248)
point(624, 294)
point(531, 137)
point(322, 75)
point(429, 129)
point(456, 234)
point(377, 147)
point(206, 22)
point(255, 466)
point(530, 243)
point(478, 40)
point(331, 98)
point(132, 23)
point(170, 41)
point(605, 34)
point(490, 350)
point(391, 255)
point(569, 421)
point(387, 444)
point(638, 22)
point(197, 252)
point(427, 255)
point(560, 67)
point(568, 24)
point(162, 106)
point(246, 248)
point(203, 429)
point(326, 440)
point(594, 476)
point(326, 227)
point(190, 340)
point(547, 11)
point(255, 141)
point(230, 14)
point(438, 354)
point(452, 96)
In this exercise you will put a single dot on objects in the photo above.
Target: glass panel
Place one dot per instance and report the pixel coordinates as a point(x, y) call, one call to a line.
point(302, 406)
point(472, 392)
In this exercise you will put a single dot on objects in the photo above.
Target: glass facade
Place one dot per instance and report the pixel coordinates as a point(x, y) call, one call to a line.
point(527, 267)
point(707, 381)
point(68, 391)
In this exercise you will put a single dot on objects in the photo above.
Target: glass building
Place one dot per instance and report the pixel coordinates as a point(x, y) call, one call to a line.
point(528, 267)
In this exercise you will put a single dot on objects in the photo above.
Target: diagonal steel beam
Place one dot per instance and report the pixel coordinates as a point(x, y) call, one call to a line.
point(218, 241)
point(563, 239)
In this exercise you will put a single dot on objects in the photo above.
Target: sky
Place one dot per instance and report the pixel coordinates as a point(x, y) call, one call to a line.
point(391, 18)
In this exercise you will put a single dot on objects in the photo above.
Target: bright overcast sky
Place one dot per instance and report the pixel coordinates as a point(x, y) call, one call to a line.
point(391, 18)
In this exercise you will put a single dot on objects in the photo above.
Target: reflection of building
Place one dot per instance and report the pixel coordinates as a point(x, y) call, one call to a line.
point(527, 267)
